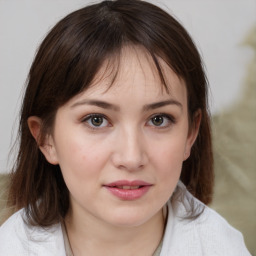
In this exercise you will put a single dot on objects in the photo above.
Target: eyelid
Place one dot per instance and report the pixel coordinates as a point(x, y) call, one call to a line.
point(86, 117)
point(89, 116)
point(170, 118)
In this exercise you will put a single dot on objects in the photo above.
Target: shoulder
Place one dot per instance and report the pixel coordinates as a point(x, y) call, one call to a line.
point(11, 233)
point(208, 234)
point(19, 238)
point(218, 236)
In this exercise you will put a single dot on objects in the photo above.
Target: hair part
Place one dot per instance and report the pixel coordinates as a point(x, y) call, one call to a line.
point(65, 65)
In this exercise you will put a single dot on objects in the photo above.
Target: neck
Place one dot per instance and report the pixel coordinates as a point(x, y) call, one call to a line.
point(93, 237)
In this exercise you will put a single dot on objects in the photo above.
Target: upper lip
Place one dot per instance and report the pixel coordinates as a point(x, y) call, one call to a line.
point(128, 183)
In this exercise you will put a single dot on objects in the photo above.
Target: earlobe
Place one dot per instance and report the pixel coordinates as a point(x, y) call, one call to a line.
point(46, 144)
point(49, 151)
point(194, 130)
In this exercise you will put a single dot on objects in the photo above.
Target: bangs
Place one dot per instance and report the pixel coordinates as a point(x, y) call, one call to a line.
point(109, 69)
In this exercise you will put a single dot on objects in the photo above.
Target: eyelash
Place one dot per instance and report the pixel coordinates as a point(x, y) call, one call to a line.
point(89, 118)
point(170, 119)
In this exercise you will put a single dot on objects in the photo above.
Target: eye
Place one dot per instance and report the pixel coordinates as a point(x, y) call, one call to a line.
point(161, 120)
point(157, 120)
point(96, 121)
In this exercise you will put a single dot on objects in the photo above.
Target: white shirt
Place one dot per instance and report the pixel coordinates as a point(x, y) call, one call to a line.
point(207, 235)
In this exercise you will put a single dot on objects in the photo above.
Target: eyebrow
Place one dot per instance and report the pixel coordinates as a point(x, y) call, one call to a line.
point(98, 103)
point(106, 105)
point(162, 104)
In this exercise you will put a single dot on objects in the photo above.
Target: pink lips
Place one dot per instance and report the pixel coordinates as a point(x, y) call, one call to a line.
point(128, 190)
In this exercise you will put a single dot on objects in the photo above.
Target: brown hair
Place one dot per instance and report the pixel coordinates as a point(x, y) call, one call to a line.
point(65, 65)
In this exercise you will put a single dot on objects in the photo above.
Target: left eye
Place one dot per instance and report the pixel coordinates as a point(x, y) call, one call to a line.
point(160, 121)
point(96, 121)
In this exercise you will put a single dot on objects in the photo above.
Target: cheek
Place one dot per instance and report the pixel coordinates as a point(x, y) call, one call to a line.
point(81, 166)
point(86, 160)
point(80, 157)
point(168, 160)
point(170, 151)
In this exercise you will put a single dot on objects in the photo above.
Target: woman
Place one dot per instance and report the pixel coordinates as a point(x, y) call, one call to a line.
point(115, 147)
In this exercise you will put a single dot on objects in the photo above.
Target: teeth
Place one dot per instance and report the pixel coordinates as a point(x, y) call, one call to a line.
point(128, 187)
point(135, 187)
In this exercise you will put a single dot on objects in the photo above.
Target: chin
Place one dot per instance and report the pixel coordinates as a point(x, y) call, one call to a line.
point(131, 218)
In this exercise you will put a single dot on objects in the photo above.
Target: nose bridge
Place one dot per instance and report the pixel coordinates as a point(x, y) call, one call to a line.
point(130, 151)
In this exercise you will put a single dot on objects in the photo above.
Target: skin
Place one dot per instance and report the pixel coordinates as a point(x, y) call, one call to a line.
point(129, 144)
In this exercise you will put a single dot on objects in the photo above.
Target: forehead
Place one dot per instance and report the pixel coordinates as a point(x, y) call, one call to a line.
point(134, 72)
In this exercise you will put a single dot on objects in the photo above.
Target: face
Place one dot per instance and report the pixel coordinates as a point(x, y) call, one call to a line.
point(121, 148)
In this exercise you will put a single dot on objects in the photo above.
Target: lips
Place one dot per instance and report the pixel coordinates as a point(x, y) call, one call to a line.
point(128, 190)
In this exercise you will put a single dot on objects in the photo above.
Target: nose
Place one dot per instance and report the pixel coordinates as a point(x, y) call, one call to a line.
point(130, 150)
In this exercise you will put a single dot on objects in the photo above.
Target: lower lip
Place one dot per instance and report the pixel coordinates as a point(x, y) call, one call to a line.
point(128, 194)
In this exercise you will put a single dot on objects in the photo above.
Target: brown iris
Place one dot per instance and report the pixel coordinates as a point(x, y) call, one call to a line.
point(157, 120)
point(97, 120)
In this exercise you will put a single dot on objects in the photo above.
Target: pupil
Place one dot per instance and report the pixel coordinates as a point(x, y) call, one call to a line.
point(157, 120)
point(97, 120)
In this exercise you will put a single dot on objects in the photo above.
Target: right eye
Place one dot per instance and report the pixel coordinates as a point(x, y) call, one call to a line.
point(96, 121)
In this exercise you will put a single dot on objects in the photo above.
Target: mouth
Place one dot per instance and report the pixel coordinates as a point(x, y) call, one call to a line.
point(128, 190)
point(127, 187)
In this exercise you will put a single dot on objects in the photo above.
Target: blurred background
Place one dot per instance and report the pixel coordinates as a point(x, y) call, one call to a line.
point(225, 33)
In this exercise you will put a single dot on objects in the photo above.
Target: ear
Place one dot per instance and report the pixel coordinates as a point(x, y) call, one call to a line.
point(46, 144)
point(193, 132)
